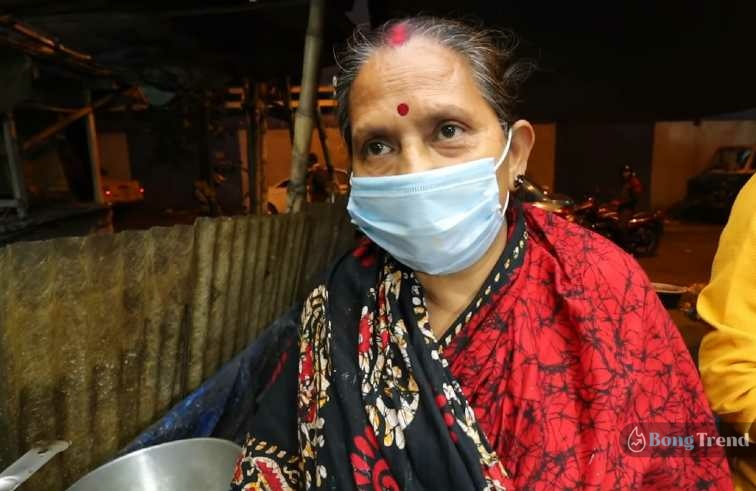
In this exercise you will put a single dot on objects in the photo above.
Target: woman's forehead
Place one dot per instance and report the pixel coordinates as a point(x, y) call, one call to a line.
point(418, 72)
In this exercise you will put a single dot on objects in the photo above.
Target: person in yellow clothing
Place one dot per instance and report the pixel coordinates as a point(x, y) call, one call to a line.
point(727, 356)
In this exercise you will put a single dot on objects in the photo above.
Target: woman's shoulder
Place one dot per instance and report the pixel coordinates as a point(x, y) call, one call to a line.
point(347, 279)
point(354, 268)
point(597, 281)
point(567, 237)
point(581, 254)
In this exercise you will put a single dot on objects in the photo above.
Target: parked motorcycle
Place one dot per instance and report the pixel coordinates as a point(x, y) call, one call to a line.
point(638, 234)
point(530, 192)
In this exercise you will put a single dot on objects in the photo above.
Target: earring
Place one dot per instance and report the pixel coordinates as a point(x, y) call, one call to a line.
point(519, 181)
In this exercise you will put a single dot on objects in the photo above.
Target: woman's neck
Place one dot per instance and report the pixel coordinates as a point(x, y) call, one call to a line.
point(447, 296)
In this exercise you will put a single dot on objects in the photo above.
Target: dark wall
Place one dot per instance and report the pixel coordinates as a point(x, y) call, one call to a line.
point(164, 154)
point(168, 153)
point(167, 182)
point(589, 158)
point(73, 151)
point(225, 155)
point(6, 190)
point(16, 76)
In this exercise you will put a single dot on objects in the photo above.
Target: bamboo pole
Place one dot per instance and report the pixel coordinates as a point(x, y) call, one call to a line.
point(332, 186)
point(289, 108)
point(255, 117)
point(261, 194)
point(304, 120)
point(94, 154)
point(242, 137)
point(15, 166)
point(249, 192)
point(324, 143)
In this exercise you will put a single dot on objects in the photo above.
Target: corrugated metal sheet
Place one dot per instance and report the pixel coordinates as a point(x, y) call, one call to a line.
point(100, 335)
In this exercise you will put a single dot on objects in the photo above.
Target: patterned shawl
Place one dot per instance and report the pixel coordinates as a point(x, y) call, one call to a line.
point(532, 387)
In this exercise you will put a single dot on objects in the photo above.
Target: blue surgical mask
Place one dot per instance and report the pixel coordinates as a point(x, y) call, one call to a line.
point(437, 222)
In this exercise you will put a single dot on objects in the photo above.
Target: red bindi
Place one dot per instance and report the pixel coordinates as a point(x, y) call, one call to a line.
point(398, 35)
point(402, 109)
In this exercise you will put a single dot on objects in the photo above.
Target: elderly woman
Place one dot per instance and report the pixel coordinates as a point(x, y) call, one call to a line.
point(471, 342)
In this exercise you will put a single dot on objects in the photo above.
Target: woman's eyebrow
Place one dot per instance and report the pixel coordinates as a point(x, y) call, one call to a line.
point(433, 112)
point(369, 130)
point(447, 111)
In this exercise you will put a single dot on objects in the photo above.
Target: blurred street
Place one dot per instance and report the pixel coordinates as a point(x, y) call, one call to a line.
point(684, 258)
point(685, 254)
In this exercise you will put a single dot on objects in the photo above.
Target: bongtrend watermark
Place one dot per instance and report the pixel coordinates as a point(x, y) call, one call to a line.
point(676, 439)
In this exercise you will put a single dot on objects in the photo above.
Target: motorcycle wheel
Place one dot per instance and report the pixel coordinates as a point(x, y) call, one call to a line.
point(605, 230)
point(644, 242)
point(270, 209)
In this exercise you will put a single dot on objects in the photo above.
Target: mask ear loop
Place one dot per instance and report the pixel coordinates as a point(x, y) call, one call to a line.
point(503, 209)
point(506, 149)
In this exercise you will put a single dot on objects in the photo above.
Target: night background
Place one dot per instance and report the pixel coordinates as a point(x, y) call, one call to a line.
point(146, 160)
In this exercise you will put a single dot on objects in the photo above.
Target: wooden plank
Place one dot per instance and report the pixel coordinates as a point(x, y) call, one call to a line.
point(43, 135)
point(296, 89)
point(321, 103)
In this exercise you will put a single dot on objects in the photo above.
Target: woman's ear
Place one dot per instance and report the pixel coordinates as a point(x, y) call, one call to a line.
point(523, 138)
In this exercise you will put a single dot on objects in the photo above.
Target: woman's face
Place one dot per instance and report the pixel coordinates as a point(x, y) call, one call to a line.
point(416, 107)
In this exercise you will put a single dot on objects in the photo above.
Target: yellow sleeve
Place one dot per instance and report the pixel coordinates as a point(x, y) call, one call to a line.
point(727, 357)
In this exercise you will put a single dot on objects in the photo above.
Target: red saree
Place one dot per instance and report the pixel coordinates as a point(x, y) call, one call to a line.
point(564, 348)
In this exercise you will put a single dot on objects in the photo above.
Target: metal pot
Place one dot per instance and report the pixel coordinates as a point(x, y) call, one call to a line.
point(669, 294)
point(29, 463)
point(201, 464)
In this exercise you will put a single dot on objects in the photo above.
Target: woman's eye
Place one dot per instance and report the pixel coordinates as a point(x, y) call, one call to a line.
point(449, 131)
point(377, 148)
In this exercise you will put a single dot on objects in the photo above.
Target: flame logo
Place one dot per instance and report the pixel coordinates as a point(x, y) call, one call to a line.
point(636, 442)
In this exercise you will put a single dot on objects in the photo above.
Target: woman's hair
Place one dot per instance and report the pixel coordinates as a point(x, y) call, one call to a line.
point(488, 52)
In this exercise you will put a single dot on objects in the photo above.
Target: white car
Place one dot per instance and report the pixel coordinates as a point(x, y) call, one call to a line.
point(278, 194)
point(121, 191)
